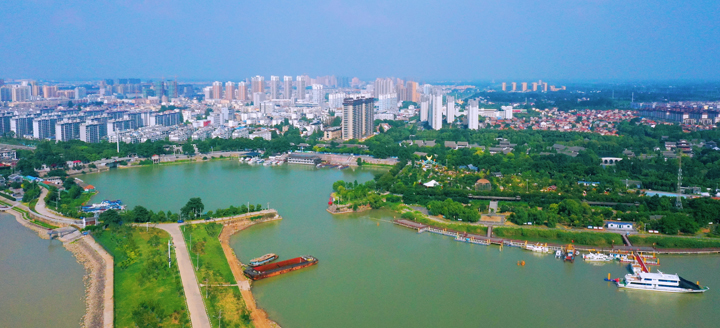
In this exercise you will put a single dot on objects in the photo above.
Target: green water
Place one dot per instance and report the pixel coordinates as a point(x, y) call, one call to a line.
point(384, 275)
point(41, 284)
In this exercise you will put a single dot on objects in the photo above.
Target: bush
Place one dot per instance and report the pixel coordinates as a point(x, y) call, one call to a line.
point(672, 242)
point(581, 238)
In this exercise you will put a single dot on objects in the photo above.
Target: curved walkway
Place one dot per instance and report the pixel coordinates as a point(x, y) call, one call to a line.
point(193, 296)
point(42, 210)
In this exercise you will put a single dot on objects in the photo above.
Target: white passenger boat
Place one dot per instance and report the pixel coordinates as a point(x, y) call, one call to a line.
point(597, 257)
point(660, 282)
point(538, 248)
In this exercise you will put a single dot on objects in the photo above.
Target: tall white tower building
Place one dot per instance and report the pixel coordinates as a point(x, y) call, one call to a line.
point(274, 87)
point(450, 109)
point(287, 87)
point(473, 115)
point(436, 116)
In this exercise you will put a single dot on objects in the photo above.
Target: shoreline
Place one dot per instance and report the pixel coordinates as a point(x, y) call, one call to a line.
point(97, 271)
point(259, 316)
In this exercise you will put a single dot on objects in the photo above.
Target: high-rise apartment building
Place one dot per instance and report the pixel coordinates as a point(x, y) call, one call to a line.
point(159, 88)
point(436, 115)
point(318, 94)
point(504, 86)
point(358, 119)
point(427, 89)
point(93, 132)
point(80, 93)
point(22, 126)
point(172, 89)
point(229, 90)
point(49, 91)
point(534, 86)
point(20, 93)
point(335, 100)
point(44, 127)
point(242, 91)
point(287, 87)
point(514, 87)
point(5, 127)
point(424, 109)
point(450, 109)
point(258, 84)
point(524, 86)
point(67, 130)
point(472, 114)
point(217, 90)
point(302, 83)
point(412, 91)
point(274, 87)
point(383, 87)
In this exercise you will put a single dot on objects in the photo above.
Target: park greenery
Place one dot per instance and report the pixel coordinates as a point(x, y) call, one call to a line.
point(69, 200)
point(192, 210)
point(148, 291)
point(214, 272)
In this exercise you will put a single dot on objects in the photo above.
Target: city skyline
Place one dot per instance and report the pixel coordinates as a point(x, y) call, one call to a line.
point(565, 40)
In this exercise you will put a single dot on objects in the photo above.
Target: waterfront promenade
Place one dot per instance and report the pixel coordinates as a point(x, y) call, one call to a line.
point(193, 296)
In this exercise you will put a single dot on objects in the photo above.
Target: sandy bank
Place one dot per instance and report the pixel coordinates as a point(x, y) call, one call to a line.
point(259, 317)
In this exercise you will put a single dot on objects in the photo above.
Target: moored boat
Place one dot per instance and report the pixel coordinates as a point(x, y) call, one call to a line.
point(265, 259)
point(660, 282)
point(540, 248)
point(597, 257)
point(274, 269)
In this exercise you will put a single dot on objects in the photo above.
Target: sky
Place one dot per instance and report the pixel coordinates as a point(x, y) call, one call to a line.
point(576, 40)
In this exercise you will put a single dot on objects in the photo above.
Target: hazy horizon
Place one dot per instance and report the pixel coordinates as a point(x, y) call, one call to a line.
point(563, 41)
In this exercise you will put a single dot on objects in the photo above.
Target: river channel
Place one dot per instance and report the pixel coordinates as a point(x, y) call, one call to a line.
point(41, 284)
point(375, 274)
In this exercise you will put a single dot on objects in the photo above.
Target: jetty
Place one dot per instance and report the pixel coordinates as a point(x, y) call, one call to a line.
point(489, 240)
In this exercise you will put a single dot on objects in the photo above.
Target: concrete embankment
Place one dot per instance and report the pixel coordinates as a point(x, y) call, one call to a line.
point(259, 317)
point(96, 282)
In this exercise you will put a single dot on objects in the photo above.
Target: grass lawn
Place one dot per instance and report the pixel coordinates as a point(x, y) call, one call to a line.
point(214, 270)
point(147, 292)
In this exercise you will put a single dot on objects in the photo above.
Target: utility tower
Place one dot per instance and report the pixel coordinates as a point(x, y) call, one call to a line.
point(678, 201)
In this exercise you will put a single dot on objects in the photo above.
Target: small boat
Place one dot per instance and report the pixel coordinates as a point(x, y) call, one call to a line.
point(265, 259)
point(558, 254)
point(660, 282)
point(569, 254)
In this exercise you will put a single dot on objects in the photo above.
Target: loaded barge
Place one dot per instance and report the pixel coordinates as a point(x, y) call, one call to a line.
point(274, 269)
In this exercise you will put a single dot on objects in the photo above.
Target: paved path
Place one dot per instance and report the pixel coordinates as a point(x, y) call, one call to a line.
point(198, 315)
point(40, 208)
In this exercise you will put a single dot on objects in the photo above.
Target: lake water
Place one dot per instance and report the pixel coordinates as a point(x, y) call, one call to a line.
point(373, 273)
point(41, 284)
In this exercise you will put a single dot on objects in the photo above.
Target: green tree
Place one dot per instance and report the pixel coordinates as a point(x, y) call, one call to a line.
point(188, 149)
point(140, 214)
point(111, 217)
point(193, 209)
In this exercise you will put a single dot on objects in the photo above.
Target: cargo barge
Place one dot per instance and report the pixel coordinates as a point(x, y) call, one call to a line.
point(265, 259)
point(274, 269)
